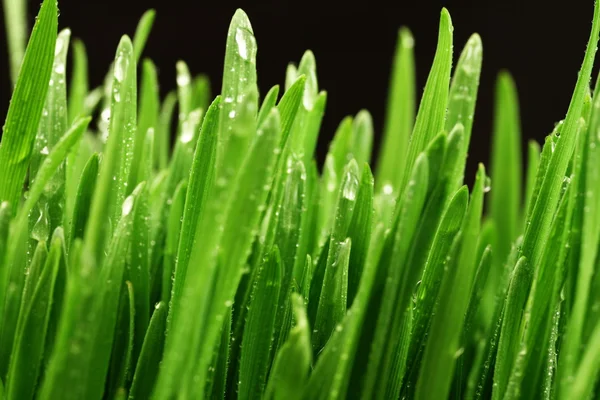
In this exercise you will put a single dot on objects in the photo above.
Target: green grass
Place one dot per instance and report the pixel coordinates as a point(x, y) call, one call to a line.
point(229, 266)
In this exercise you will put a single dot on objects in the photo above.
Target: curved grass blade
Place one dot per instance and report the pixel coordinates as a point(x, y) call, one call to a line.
point(288, 107)
point(22, 121)
point(146, 369)
point(163, 131)
point(268, 103)
point(400, 114)
point(258, 333)
point(533, 163)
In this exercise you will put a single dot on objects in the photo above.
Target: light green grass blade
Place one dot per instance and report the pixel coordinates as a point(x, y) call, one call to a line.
point(146, 369)
point(268, 103)
point(111, 186)
point(28, 350)
point(432, 110)
point(142, 32)
point(446, 326)
point(362, 137)
point(463, 97)
point(258, 333)
point(149, 106)
point(291, 366)
point(15, 21)
point(201, 92)
point(400, 114)
point(505, 200)
point(52, 126)
point(254, 176)
point(22, 122)
point(288, 107)
point(79, 86)
point(163, 131)
point(184, 92)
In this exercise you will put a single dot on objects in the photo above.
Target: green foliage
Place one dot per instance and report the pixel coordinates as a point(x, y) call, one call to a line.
point(228, 266)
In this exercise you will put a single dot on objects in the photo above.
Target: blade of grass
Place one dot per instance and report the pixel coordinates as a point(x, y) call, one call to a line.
point(463, 97)
point(432, 110)
point(400, 114)
point(31, 87)
point(15, 21)
point(142, 32)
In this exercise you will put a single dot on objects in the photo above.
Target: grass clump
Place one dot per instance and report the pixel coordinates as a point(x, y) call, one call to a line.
point(230, 267)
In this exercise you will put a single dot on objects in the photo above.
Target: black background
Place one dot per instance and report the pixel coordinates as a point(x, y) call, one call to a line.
point(541, 43)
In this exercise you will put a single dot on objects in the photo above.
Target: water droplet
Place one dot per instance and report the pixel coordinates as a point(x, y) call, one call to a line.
point(228, 303)
point(45, 150)
point(241, 39)
point(121, 65)
point(60, 68)
point(183, 80)
point(127, 205)
point(487, 184)
point(232, 114)
point(388, 189)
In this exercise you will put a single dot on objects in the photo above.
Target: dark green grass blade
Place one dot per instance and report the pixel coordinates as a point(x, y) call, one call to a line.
point(400, 114)
point(26, 105)
point(505, 201)
point(85, 336)
point(463, 97)
point(539, 223)
point(291, 366)
point(172, 241)
point(258, 333)
point(533, 162)
point(432, 110)
point(83, 199)
point(508, 344)
point(147, 365)
point(121, 357)
point(28, 350)
point(396, 278)
point(446, 326)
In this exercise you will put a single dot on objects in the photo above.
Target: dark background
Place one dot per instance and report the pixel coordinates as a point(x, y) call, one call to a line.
point(542, 46)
